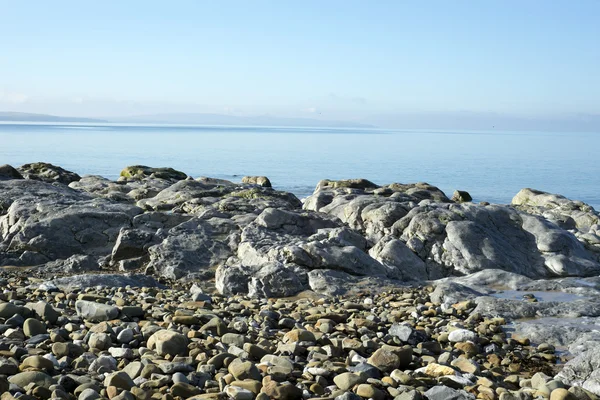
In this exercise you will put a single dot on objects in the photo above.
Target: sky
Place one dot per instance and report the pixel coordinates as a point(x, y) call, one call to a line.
point(388, 63)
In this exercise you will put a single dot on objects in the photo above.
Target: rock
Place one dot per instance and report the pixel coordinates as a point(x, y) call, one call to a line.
point(406, 334)
point(131, 243)
point(274, 280)
point(22, 379)
point(168, 342)
point(46, 172)
point(32, 327)
point(142, 171)
point(7, 310)
point(89, 394)
point(388, 358)
point(460, 196)
point(466, 365)
point(8, 172)
point(99, 341)
point(184, 390)
point(257, 180)
point(369, 392)
point(402, 262)
point(233, 339)
point(584, 371)
point(119, 380)
point(564, 212)
point(36, 363)
point(462, 335)
point(562, 394)
point(446, 393)
point(191, 247)
point(285, 391)
point(437, 370)
point(348, 380)
point(238, 393)
point(279, 367)
point(49, 222)
point(298, 335)
point(244, 370)
point(45, 312)
point(95, 312)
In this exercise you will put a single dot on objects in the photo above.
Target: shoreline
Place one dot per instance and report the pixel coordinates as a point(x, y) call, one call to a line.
point(211, 244)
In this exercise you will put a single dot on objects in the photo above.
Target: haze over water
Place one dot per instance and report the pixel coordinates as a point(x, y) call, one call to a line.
point(492, 165)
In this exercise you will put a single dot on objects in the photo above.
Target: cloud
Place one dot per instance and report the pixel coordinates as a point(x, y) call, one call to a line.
point(12, 97)
point(311, 110)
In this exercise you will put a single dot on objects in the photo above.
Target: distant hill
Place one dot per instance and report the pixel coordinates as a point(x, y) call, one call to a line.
point(29, 117)
point(220, 119)
point(187, 119)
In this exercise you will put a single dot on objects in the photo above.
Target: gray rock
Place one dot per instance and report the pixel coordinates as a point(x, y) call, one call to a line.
point(191, 247)
point(89, 394)
point(46, 222)
point(450, 293)
point(131, 243)
point(404, 264)
point(406, 334)
point(22, 379)
point(95, 312)
point(274, 280)
point(447, 393)
point(583, 370)
point(462, 335)
point(556, 208)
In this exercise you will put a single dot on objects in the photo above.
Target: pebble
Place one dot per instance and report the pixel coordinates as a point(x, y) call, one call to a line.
point(162, 344)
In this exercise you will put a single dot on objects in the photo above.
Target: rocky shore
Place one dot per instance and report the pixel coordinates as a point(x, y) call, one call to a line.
point(161, 286)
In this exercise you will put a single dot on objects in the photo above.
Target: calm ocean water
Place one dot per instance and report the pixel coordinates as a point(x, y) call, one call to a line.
point(492, 165)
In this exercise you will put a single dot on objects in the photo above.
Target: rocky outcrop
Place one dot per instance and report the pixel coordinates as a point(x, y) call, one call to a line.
point(251, 236)
point(41, 222)
point(46, 172)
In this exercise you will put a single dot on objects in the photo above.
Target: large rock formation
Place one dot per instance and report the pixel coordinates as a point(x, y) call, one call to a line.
point(265, 242)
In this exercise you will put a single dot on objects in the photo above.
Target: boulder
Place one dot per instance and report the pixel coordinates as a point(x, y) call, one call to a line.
point(195, 246)
point(8, 172)
point(141, 171)
point(168, 342)
point(460, 196)
point(95, 312)
point(257, 180)
point(44, 222)
point(583, 370)
point(41, 171)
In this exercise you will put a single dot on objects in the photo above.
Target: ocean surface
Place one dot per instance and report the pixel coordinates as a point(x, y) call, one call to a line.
point(491, 165)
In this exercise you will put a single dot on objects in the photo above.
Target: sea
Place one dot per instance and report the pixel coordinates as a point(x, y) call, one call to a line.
point(492, 165)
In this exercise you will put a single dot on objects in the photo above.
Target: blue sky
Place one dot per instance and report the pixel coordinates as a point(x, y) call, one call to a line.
point(357, 60)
